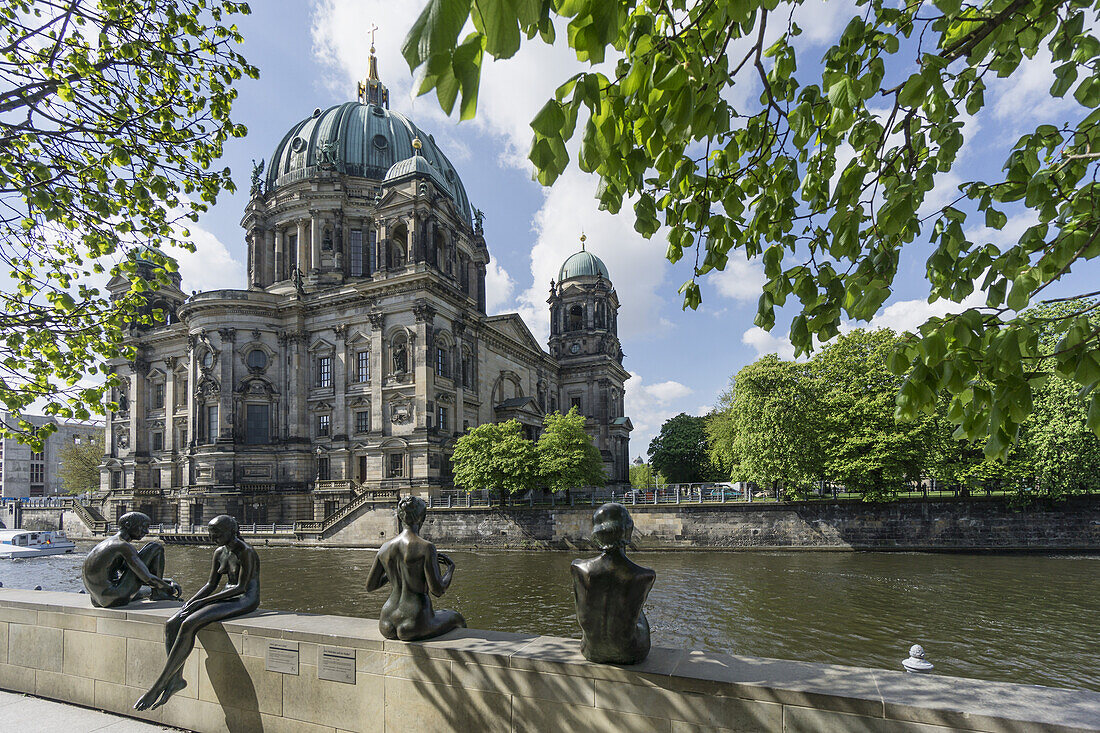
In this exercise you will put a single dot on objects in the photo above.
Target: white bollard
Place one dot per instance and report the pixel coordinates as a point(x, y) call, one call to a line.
point(916, 661)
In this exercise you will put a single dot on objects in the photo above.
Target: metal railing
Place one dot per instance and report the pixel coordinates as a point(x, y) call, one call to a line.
point(201, 529)
point(675, 494)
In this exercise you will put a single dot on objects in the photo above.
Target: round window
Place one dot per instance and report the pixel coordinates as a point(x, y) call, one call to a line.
point(257, 359)
point(208, 359)
point(381, 142)
point(298, 144)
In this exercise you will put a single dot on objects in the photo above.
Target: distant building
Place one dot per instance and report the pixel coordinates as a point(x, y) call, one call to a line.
point(362, 347)
point(27, 473)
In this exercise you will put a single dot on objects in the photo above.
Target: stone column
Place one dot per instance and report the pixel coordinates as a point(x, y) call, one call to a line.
point(481, 287)
point(377, 370)
point(339, 385)
point(315, 242)
point(192, 387)
point(380, 245)
point(256, 247)
point(138, 433)
point(414, 246)
point(303, 256)
point(226, 361)
point(280, 257)
point(423, 359)
point(170, 406)
point(269, 257)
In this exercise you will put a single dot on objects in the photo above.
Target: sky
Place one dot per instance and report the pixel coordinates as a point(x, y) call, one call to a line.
point(310, 54)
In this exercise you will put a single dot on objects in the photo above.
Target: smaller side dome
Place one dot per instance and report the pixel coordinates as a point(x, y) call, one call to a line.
point(583, 264)
point(417, 165)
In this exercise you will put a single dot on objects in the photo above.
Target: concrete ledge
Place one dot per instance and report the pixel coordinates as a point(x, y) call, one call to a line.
point(57, 645)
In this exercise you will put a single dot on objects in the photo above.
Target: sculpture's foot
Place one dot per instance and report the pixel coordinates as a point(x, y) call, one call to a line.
point(147, 700)
point(174, 686)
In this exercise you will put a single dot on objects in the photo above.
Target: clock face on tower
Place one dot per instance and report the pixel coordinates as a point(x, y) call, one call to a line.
point(574, 348)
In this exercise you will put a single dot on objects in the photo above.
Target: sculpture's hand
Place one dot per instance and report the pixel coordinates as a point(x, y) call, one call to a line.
point(175, 588)
point(444, 559)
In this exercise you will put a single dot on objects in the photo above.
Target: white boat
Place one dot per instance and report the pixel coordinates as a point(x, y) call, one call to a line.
point(20, 543)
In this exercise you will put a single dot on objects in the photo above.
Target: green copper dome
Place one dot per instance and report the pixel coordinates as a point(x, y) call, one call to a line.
point(359, 139)
point(583, 264)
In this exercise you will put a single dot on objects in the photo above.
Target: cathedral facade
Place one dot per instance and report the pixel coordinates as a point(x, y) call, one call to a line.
point(361, 348)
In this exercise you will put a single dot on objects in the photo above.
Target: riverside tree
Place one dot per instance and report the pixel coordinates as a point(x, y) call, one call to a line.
point(567, 457)
point(495, 457)
point(79, 465)
point(679, 452)
point(113, 114)
point(824, 172)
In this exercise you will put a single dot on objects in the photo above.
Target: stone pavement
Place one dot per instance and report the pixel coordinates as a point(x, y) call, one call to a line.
point(28, 714)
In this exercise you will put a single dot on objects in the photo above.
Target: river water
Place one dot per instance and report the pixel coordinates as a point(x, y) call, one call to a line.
point(1020, 618)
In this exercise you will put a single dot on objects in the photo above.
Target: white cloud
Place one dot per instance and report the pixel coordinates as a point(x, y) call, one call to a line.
point(1006, 236)
point(211, 266)
point(742, 280)
point(703, 410)
point(649, 405)
point(498, 287)
point(768, 343)
point(908, 315)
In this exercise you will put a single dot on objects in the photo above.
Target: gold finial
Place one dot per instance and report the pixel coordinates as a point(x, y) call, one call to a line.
point(417, 144)
point(583, 238)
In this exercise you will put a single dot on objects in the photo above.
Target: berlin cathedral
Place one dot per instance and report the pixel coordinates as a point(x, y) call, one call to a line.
point(361, 348)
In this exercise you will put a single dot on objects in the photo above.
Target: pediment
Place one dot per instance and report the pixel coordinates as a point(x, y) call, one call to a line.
point(321, 344)
point(513, 327)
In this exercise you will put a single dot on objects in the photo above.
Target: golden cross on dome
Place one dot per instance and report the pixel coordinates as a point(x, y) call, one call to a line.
point(373, 28)
point(583, 238)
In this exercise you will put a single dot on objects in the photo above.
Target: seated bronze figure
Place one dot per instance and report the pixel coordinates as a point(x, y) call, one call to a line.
point(115, 574)
point(609, 592)
point(238, 562)
point(410, 564)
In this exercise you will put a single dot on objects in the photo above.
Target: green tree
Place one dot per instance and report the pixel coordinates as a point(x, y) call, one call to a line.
point(642, 475)
point(112, 116)
point(567, 457)
point(495, 457)
point(768, 431)
point(822, 175)
point(864, 447)
point(679, 451)
point(78, 466)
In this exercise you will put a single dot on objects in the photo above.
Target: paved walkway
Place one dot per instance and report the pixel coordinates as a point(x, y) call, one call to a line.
point(28, 714)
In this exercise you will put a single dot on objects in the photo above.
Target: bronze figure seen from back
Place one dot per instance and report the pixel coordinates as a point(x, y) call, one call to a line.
point(237, 562)
point(115, 573)
point(609, 592)
point(411, 565)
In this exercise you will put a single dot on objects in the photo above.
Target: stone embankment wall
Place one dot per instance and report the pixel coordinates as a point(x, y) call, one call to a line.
point(903, 525)
point(56, 645)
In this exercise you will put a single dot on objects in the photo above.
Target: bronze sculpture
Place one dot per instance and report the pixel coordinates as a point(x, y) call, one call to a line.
point(609, 592)
point(410, 564)
point(114, 573)
point(235, 560)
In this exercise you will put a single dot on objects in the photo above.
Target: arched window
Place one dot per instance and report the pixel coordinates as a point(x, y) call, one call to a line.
point(601, 311)
point(555, 319)
point(326, 239)
point(576, 318)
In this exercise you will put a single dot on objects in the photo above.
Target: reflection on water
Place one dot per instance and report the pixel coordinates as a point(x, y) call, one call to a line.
point(1020, 618)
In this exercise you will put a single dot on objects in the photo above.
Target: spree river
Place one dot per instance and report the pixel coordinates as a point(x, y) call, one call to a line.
point(1020, 618)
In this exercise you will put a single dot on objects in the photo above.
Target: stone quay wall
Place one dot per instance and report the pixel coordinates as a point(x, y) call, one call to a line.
point(273, 671)
point(952, 525)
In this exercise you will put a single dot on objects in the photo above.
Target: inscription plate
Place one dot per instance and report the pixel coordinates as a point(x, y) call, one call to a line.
point(282, 657)
point(336, 664)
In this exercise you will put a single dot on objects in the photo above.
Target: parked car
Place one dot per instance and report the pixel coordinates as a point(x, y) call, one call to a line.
point(723, 493)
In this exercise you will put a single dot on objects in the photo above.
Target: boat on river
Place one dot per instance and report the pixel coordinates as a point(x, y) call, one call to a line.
point(20, 543)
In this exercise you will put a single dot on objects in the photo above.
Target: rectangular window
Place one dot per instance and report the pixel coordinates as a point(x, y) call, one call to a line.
point(362, 366)
point(441, 418)
point(257, 419)
point(116, 479)
point(38, 456)
point(211, 423)
point(324, 371)
point(158, 396)
point(356, 250)
point(575, 402)
point(323, 469)
point(181, 390)
point(38, 473)
point(156, 478)
point(292, 244)
point(158, 441)
point(323, 425)
point(395, 466)
point(362, 422)
point(441, 367)
point(372, 252)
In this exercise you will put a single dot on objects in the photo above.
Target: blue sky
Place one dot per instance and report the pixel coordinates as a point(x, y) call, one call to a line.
point(310, 55)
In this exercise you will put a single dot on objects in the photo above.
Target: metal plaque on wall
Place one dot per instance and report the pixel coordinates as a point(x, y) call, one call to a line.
point(282, 656)
point(336, 664)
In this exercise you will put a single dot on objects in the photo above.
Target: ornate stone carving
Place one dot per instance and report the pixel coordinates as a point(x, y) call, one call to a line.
point(424, 311)
point(401, 411)
point(340, 330)
point(228, 335)
point(377, 319)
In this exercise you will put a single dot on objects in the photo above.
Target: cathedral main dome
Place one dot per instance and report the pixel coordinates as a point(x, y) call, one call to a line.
point(359, 139)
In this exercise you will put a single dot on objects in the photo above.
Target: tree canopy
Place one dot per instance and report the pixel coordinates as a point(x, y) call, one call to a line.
point(495, 457)
point(78, 467)
point(831, 421)
point(568, 459)
point(824, 172)
point(113, 114)
point(679, 452)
